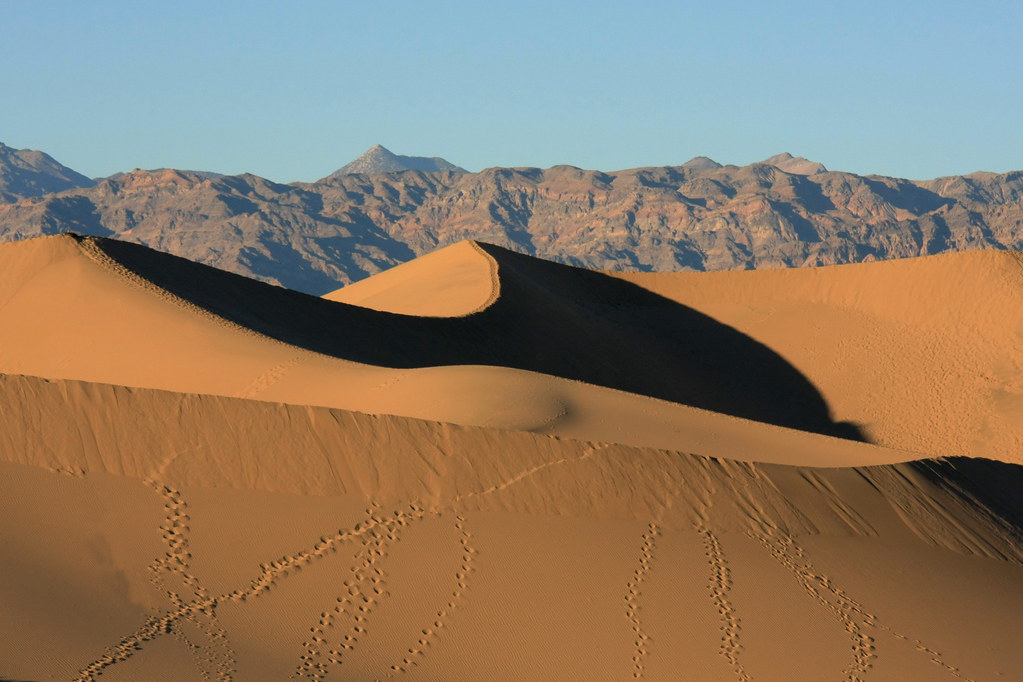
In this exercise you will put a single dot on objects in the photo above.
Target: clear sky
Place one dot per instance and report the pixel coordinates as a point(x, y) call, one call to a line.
point(293, 90)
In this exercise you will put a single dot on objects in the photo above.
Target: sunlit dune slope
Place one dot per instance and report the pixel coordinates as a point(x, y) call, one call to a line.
point(70, 310)
point(162, 536)
point(458, 280)
point(924, 354)
point(200, 534)
point(548, 318)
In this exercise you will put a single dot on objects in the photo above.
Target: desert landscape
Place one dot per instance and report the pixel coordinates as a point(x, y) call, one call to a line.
point(482, 465)
point(511, 342)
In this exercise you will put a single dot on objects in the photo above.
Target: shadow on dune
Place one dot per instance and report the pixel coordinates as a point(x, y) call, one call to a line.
point(550, 318)
point(985, 484)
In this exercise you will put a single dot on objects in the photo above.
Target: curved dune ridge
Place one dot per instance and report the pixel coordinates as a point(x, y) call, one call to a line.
point(455, 281)
point(924, 354)
point(480, 465)
point(99, 310)
point(549, 318)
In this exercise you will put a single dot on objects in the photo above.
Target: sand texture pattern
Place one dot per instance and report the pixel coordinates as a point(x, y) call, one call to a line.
point(485, 466)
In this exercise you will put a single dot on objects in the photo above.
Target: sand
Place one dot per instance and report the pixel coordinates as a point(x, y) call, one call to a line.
point(452, 282)
point(69, 311)
point(208, 478)
point(924, 354)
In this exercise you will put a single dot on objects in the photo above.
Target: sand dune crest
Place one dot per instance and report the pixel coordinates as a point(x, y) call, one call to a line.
point(455, 281)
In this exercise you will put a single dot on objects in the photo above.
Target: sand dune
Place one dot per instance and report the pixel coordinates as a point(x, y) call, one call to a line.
point(455, 281)
point(70, 310)
point(268, 541)
point(549, 318)
point(484, 466)
point(924, 354)
point(879, 346)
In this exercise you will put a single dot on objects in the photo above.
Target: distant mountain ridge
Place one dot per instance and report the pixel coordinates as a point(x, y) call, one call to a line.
point(209, 175)
point(31, 173)
point(701, 215)
point(379, 159)
point(796, 165)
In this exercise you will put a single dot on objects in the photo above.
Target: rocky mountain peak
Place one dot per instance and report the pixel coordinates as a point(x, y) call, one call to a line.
point(379, 159)
point(30, 173)
point(699, 163)
point(797, 165)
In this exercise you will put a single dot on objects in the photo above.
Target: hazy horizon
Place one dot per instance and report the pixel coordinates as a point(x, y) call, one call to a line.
point(293, 93)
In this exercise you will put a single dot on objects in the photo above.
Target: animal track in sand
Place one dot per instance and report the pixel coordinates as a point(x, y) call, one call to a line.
point(363, 589)
point(430, 632)
point(850, 613)
point(632, 595)
point(719, 586)
point(204, 606)
point(93, 251)
point(532, 471)
point(783, 549)
point(268, 378)
point(327, 645)
point(214, 658)
point(200, 609)
point(74, 472)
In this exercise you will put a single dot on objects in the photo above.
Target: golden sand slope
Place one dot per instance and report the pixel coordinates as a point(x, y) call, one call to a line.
point(925, 354)
point(69, 310)
point(201, 534)
point(457, 280)
point(162, 536)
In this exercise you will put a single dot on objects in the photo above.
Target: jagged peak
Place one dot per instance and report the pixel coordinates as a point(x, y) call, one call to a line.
point(701, 163)
point(796, 165)
point(380, 159)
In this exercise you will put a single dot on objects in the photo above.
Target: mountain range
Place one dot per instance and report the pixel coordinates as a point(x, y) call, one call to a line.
point(368, 216)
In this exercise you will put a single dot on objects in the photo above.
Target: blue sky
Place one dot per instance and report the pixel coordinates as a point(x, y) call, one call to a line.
point(291, 91)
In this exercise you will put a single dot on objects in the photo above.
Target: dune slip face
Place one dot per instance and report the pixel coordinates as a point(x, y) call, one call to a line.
point(869, 352)
point(245, 540)
point(551, 319)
